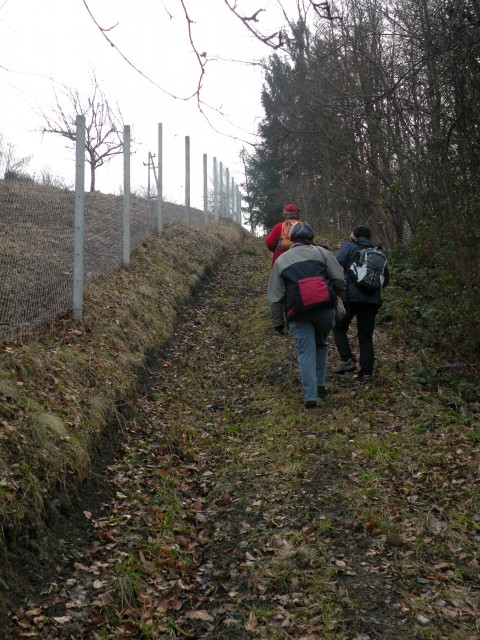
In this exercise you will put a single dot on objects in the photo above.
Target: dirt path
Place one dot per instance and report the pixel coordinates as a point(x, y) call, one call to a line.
point(226, 512)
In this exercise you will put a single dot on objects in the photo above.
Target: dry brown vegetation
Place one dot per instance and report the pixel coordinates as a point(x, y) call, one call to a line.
point(36, 237)
point(217, 507)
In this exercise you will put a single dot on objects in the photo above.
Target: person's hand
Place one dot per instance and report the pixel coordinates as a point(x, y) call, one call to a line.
point(280, 329)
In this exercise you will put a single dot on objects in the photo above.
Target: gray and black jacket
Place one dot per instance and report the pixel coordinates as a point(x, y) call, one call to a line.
point(304, 278)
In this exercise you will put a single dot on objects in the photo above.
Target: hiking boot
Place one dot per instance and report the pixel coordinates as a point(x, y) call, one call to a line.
point(366, 378)
point(343, 367)
point(310, 404)
point(321, 392)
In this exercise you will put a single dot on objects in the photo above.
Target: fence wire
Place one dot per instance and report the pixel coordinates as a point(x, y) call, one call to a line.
point(36, 259)
point(36, 247)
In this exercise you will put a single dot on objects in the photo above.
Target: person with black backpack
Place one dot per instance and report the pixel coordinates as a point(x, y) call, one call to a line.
point(366, 274)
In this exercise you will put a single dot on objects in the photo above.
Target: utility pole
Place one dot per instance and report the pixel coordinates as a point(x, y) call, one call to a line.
point(150, 165)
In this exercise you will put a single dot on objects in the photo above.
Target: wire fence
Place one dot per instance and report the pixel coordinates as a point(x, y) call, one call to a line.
point(37, 236)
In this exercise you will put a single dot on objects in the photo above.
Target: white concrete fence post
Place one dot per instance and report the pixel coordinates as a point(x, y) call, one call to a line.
point(205, 189)
point(239, 206)
point(222, 203)
point(215, 190)
point(159, 179)
point(126, 197)
point(79, 221)
point(227, 192)
point(187, 178)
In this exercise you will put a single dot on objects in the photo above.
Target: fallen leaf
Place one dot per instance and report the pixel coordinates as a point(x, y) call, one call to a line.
point(98, 584)
point(106, 599)
point(252, 622)
point(199, 615)
point(62, 619)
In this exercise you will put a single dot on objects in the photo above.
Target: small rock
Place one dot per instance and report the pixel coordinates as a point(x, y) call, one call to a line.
point(394, 540)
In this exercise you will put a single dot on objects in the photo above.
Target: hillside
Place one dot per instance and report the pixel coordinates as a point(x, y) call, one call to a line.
point(161, 478)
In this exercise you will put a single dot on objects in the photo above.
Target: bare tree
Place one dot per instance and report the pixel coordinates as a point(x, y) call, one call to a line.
point(103, 124)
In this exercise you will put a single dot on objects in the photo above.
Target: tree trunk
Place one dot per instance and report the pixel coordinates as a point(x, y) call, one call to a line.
point(92, 171)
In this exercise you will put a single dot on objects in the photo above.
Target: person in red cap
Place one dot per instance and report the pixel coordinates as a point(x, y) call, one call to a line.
point(275, 240)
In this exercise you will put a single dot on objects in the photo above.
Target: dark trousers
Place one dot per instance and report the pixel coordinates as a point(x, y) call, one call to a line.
point(365, 314)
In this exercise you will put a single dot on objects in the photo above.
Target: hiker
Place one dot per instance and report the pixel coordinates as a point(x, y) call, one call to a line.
point(363, 305)
point(302, 292)
point(273, 241)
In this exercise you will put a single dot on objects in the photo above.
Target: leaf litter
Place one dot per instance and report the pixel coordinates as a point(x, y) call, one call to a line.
point(228, 511)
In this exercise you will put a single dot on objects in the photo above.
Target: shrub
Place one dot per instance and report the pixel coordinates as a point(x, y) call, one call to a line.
point(434, 309)
point(18, 176)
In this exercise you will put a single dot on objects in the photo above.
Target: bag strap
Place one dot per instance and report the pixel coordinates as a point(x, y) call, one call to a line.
point(320, 251)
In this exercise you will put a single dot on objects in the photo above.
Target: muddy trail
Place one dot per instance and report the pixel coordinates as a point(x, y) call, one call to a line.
point(221, 509)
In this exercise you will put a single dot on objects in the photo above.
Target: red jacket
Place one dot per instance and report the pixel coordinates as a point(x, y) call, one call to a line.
point(272, 241)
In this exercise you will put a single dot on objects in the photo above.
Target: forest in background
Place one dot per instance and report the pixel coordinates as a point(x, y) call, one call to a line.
point(372, 117)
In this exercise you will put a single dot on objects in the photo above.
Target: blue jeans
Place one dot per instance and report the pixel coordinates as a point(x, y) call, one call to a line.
point(310, 335)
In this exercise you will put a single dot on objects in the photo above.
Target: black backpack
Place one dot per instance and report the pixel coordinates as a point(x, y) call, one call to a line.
point(368, 268)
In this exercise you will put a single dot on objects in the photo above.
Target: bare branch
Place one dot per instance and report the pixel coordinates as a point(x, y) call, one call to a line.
point(139, 71)
point(274, 41)
point(246, 20)
point(326, 7)
point(103, 124)
point(202, 62)
point(253, 18)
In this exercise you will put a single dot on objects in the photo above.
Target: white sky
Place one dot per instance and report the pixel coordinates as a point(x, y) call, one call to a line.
point(50, 43)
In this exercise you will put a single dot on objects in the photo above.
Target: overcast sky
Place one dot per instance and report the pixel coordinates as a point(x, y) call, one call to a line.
point(50, 43)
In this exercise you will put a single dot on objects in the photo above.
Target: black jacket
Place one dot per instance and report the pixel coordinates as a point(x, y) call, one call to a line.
point(345, 257)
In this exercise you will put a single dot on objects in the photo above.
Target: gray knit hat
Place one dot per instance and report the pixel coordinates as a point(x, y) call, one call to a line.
point(302, 231)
